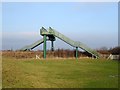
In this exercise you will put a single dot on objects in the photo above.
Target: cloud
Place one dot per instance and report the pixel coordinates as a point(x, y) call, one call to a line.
point(17, 40)
point(19, 34)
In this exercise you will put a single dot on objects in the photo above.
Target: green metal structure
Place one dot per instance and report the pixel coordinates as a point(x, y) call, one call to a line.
point(50, 35)
point(32, 46)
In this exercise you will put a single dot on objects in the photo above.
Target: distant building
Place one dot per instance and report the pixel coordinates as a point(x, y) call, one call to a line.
point(114, 57)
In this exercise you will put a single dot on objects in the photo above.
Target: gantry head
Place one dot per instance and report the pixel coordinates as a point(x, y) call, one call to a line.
point(50, 36)
point(43, 31)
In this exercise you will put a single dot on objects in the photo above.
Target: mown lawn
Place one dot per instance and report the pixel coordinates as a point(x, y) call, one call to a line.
point(59, 73)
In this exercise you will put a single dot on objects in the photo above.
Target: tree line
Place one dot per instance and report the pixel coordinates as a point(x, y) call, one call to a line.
point(61, 53)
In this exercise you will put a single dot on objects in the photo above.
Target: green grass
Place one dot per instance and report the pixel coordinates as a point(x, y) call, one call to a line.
point(32, 73)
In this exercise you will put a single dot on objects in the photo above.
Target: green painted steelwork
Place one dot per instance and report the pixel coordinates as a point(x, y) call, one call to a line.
point(52, 46)
point(29, 47)
point(44, 46)
point(73, 43)
point(76, 52)
point(51, 34)
point(43, 31)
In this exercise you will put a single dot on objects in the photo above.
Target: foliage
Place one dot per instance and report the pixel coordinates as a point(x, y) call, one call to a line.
point(115, 50)
point(50, 54)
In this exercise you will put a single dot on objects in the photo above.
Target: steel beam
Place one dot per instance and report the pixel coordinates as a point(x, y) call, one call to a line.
point(76, 52)
point(44, 46)
point(52, 46)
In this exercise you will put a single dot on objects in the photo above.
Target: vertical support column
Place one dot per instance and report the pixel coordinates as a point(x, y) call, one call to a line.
point(44, 46)
point(52, 46)
point(76, 52)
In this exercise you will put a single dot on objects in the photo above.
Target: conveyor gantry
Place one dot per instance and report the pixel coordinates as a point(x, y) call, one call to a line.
point(50, 34)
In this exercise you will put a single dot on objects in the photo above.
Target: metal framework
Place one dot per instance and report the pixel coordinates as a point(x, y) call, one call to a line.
point(50, 35)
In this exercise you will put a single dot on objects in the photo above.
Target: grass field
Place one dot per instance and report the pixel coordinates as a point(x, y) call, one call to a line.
point(60, 73)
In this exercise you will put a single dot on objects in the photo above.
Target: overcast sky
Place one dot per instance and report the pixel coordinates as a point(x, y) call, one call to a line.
point(94, 24)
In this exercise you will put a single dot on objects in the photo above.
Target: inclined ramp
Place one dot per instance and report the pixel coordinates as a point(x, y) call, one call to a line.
point(32, 46)
point(73, 43)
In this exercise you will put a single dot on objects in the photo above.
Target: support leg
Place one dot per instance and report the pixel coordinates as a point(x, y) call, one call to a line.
point(52, 46)
point(76, 52)
point(44, 46)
